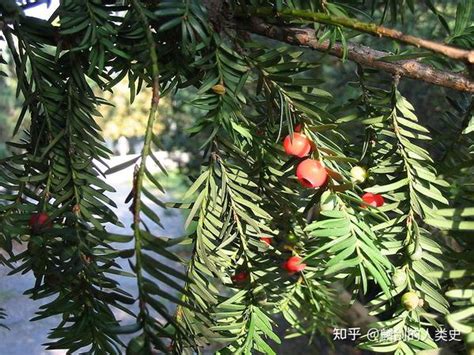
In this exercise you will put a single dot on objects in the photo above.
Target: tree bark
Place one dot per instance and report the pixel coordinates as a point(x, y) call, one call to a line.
point(464, 55)
point(363, 55)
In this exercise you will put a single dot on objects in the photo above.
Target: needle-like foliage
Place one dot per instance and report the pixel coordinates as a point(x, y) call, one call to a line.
point(253, 73)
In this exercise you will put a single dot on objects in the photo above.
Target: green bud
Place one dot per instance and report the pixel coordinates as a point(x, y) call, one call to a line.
point(219, 89)
point(410, 300)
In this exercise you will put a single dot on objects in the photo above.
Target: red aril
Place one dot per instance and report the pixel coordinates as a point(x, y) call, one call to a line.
point(297, 145)
point(374, 200)
point(311, 173)
point(293, 264)
point(240, 277)
point(39, 221)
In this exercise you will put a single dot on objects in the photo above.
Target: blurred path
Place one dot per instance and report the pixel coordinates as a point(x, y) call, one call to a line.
point(25, 337)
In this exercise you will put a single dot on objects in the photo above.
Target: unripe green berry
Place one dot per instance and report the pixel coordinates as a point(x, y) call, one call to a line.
point(410, 300)
point(292, 238)
point(358, 174)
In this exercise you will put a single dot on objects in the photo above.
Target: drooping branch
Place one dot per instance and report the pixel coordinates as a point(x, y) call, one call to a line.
point(363, 55)
point(371, 28)
point(139, 174)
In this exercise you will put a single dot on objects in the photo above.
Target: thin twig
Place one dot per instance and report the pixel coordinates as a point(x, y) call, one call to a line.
point(140, 170)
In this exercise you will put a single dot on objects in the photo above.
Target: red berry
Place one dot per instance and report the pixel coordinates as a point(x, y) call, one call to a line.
point(266, 240)
point(39, 221)
point(297, 145)
point(293, 264)
point(374, 200)
point(240, 277)
point(311, 173)
point(298, 127)
point(379, 200)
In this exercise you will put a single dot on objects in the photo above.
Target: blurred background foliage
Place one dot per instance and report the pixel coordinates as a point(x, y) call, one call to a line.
point(121, 118)
point(125, 119)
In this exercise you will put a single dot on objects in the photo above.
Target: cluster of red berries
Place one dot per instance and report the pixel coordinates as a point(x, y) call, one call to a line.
point(310, 173)
point(294, 263)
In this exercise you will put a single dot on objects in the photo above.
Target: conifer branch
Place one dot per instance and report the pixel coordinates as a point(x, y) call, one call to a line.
point(363, 55)
point(466, 56)
point(140, 169)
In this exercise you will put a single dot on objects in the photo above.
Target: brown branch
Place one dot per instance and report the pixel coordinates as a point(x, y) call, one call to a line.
point(371, 28)
point(363, 55)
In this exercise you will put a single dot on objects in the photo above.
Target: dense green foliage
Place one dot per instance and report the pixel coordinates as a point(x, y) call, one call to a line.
point(251, 93)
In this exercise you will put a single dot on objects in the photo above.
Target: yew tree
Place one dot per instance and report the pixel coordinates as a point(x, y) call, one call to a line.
point(319, 172)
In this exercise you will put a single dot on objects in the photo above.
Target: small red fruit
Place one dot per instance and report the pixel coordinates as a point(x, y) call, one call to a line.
point(311, 173)
point(293, 264)
point(266, 240)
point(298, 127)
point(40, 221)
point(374, 200)
point(240, 277)
point(297, 145)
